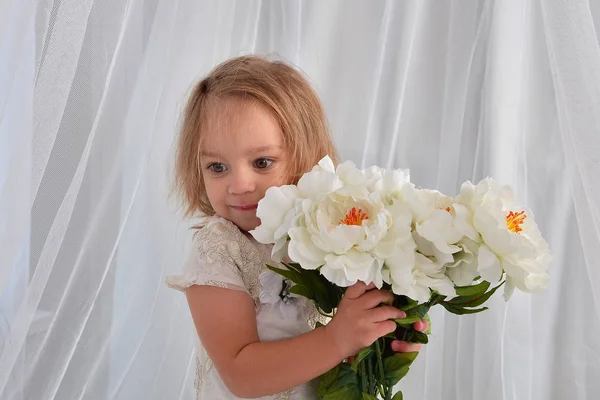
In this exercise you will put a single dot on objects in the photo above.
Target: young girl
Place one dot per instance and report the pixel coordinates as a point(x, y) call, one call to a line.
point(249, 125)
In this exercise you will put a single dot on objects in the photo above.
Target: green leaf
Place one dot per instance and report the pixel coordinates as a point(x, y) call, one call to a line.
point(294, 267)
point(322, 291)
point(398, 396)
point(413, 315)
point(327, 380)
point(312, 285)
point(419, 337)
point(291, 275)
point(436, 298)
point(347, 376)
point(404, 302)
point(408, 321)
point(475, 300)
point(460, 310)
point(473, 290)
point(325, 294)
point(340, 381)
point(391, 335)
point(411, 335)
point(420, 311)
point(396, 366)
point(366, 396)
point(346, 393)
point(301, 291)
point(364, 353)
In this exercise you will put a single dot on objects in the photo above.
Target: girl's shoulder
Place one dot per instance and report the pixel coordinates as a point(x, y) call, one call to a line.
point(222, 255)
point(217, 234)
point(217, 225)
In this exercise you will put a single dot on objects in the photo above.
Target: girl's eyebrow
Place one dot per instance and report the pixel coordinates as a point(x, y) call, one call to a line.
point(250, 151)
point(263, 148)
point(208, 154)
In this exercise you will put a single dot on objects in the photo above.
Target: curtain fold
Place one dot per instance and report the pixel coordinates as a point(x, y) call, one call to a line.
point(90, 99)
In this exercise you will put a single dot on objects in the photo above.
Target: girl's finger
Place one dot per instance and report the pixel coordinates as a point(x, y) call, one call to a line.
point(404, 347)
point(384, 313)
point(356, 290)
point(375, 297)
point(421, 326)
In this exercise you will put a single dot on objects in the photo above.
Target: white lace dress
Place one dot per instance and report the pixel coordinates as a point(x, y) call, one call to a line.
point(224, 256)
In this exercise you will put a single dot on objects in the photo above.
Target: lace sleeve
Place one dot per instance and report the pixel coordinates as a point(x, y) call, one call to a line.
point(210, 261)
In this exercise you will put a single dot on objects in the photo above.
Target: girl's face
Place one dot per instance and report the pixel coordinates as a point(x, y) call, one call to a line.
point(242, 155)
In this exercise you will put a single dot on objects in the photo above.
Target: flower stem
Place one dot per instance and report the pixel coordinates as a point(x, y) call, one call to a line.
point(386, 389)
point(363, 377)
point(371, 378)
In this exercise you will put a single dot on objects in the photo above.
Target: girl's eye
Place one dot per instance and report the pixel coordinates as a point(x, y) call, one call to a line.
point(217, 168)
point(263, 163)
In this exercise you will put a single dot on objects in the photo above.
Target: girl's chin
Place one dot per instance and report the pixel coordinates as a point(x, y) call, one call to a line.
point(247, 224)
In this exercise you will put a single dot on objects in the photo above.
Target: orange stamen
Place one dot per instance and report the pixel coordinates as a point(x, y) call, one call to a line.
point(354, 217)
point(515, 220)
point(448, 209)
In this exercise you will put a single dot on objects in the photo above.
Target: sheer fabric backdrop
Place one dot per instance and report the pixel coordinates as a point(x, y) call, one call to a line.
point(90, 94)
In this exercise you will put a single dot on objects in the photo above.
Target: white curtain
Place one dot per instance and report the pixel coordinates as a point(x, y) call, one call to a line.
point(90, 96)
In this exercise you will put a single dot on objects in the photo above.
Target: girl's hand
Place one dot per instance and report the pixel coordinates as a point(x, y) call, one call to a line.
point(359, 319)
point(400, 346)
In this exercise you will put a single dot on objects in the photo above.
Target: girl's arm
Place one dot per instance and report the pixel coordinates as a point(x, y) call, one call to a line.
point(226, 323)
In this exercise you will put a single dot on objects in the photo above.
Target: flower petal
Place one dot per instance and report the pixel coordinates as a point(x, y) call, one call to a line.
point(327, 164)
point(489, 265)
point(318, 182)
point(303, 251)
point(273, 210)
point(356, 265)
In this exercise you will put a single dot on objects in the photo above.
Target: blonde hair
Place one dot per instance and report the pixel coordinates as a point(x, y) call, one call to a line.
point(276, 85)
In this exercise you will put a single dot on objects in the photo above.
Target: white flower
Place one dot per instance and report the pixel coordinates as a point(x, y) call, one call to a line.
point(463, 269)
point(347, 269)
point(342, 227)
point(341, 232)
point(417, 277)
point(409, 272)
point(320, 180)
point(511, 241)
point(435, 232)
point(399, 234)
point(276, 211)
point(388, 183)
point(350, 175)
point(463, 221)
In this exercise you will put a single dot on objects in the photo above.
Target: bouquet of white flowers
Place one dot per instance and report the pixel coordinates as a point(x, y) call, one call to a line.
point(341, 225)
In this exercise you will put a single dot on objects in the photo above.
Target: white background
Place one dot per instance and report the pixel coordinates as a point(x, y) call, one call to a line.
point(90, 95)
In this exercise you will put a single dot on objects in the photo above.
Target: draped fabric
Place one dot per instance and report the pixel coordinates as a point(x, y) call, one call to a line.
point(90, 99)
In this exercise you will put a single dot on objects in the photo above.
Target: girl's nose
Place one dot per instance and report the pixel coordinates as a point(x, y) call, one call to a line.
point(242, 182)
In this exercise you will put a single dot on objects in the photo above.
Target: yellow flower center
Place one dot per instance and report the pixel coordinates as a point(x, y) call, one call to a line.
point(354, 217)
point(515, 220)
